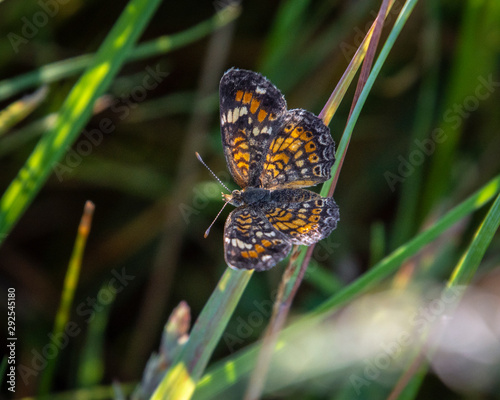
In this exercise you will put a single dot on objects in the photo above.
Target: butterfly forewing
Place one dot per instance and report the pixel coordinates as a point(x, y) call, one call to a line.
point(251, 110)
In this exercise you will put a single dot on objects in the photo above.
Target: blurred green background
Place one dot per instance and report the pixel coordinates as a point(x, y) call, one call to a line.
point(135, 161)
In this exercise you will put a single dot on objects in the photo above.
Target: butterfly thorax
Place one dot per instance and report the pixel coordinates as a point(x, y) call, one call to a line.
point(260, 196)
point(249, 196)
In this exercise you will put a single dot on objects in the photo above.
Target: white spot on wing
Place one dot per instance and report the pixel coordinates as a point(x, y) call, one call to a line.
point(260, 90)
point(241, 245)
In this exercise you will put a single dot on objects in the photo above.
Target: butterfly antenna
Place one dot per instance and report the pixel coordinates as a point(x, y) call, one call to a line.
point(215, 219)
point(224, 186)
point(215, 176)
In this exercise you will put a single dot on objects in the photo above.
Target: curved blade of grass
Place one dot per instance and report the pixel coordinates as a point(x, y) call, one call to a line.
point(226, 373)
point(74, 112)
point(68, 293)
point(469, 262)
point(186, 370)
point(72, 66)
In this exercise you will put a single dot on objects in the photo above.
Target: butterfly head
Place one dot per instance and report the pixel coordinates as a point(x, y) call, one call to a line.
point(235, 198)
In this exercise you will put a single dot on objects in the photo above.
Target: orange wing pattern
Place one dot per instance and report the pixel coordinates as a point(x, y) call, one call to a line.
point(272, 153)
point(251, 242)
point(251, 109)
point(302, 154)
point(303, 216)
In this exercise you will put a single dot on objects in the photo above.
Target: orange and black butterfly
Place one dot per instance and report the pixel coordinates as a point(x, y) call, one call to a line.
point(272, 154)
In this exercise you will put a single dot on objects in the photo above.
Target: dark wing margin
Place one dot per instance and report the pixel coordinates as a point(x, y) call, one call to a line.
point(304, 217)
point(251, 242)
point(251, 111)
point(301, 154)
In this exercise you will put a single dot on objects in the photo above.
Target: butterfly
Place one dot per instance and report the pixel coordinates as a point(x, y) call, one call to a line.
point(272, 154)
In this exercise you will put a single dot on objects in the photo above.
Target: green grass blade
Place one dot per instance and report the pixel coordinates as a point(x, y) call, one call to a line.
point(236, 368)
point(68, 294)
point(470, 261)
point(186, 370)
point(75, 112)
point(72, 66)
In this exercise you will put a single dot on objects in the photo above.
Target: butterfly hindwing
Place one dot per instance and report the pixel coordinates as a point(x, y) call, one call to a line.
point(301, 215)
point(251, 242)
